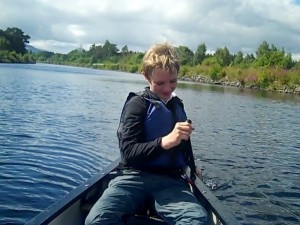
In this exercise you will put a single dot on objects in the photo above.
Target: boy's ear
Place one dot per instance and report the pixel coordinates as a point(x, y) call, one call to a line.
point(145, 76)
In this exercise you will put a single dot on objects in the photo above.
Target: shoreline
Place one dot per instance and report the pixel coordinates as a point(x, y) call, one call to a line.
point(206, 80)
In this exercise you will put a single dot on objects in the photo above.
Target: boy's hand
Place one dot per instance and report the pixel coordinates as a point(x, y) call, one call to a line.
point(181, 131)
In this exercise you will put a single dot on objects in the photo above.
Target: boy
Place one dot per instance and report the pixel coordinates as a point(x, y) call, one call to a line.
point(153, 135)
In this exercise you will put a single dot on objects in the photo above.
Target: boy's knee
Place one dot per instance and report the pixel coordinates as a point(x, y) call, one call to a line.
point(102, 218)
point(88, 220)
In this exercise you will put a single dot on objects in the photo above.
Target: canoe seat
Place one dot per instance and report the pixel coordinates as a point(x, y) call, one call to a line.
point(146, 216)
point(144, 220)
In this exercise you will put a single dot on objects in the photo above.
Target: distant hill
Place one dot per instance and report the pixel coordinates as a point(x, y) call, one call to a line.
point(34, 49)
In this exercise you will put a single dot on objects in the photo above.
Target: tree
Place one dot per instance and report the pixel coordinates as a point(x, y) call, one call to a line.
point(75, 55)
point(200, 54)
point(17, 40)
point(249, 59)
point(238, 58)
point(263, 54)
point(263, 49)
point(4, 43)
point(110, 49)
point(103, 52)
point(223, 56)
point(267, 56)
point(124, 50)
point(96, 52)
point(288, 62)
point(185, 55)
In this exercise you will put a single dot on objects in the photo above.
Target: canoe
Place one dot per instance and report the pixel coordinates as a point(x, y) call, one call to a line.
point(73, 208)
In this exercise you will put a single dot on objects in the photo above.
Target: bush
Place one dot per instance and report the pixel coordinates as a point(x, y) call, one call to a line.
point(264, 79)
point(216, 73)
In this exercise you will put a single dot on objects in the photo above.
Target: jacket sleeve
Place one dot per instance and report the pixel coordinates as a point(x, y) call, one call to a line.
point(131, 134)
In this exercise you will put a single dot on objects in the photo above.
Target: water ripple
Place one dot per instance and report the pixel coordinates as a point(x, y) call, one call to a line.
point(58, 127)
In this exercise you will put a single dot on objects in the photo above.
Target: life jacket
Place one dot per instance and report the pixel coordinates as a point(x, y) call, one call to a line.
point(160, 121)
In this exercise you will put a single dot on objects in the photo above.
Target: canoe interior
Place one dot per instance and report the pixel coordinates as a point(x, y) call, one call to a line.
point(73, 209)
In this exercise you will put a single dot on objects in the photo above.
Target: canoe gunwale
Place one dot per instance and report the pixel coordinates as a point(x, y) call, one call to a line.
point(212, 204)
point(50, 213)
point(204, 195)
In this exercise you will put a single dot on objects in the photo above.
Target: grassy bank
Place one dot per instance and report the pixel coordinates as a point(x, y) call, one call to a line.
point(268, 79)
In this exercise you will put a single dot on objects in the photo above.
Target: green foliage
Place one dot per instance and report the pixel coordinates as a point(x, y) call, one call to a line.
point(28, 58)
point(13, 57)
point(216, 72)
point(13, 39)
point(103, 52)
point(43, 56)
point(238, 58)
point(268, 57)
point(185, 55)
point(249, 59)
point(77, 56)
point(210, 61)
point(297, 65)
point(213, 73)
point(13, 46)
point(223, 56)
point(272, 68)
point(184, 71)
point(264, 79)
point(200, 54)
point(124, 50)
point(4, 43)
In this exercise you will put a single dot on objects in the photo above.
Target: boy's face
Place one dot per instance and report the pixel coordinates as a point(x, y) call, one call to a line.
point(162, 83)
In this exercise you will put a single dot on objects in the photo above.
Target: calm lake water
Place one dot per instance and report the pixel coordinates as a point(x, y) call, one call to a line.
point(58, 128)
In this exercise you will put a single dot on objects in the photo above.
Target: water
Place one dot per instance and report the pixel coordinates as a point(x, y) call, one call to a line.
point(58, 128)
point(249, 147)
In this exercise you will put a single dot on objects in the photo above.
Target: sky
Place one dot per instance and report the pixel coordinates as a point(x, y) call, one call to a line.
point(241, 25)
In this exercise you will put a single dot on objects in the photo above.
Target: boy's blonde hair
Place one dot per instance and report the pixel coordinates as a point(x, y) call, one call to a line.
point(161, 56)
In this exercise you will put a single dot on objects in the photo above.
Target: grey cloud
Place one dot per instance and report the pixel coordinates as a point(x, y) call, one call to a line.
point(237, 24)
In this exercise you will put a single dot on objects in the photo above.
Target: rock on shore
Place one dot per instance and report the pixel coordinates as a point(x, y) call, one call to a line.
point(295, 89)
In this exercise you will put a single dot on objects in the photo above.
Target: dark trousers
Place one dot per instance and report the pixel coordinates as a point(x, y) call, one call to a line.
point(127, 193)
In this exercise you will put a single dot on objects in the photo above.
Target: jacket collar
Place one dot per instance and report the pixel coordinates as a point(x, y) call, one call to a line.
point(151, 95)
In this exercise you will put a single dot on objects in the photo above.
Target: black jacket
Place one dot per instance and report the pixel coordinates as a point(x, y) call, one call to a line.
point(134, 149)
